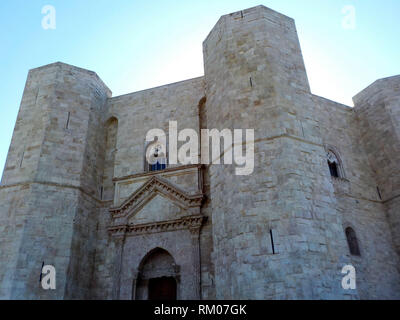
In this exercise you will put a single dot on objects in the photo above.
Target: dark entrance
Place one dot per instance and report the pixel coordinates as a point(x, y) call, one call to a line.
point(162, 289)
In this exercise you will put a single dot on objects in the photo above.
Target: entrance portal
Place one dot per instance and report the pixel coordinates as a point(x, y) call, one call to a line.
point(162, 289)
point(158, 277)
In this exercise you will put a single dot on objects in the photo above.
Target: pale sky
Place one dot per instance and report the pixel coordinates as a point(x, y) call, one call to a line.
point(135, 45)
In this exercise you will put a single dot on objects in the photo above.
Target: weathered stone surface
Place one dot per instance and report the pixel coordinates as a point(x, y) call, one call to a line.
point(76, 192)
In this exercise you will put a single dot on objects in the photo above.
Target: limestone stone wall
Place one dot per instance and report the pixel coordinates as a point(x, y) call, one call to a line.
point(103, 275)
point(14, 203)
point(154, 108)
point(255, 78)
point(378, 111)
point(61, 115)
point(359, 203)
point(26, 144)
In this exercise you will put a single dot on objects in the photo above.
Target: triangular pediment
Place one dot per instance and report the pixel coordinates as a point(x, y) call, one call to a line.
point(157, 208)
point(163, 193)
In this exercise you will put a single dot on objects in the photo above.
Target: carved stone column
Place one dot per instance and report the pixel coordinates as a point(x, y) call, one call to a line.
point(119, 241)
point(195, 236)
point(134, 285)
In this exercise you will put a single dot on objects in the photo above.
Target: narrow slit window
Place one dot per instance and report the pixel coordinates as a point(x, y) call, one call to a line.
point(41, 273)
point(272, 241)
point(352, 242)
point(67, 125)
point(22, 159)
point(379, 193)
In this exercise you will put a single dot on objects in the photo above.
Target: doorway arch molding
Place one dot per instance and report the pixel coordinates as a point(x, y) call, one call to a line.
point(156, 264)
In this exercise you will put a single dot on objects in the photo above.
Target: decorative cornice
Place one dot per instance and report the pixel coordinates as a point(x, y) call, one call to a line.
point(153, 173)
point(192, 223)
point(156, 184)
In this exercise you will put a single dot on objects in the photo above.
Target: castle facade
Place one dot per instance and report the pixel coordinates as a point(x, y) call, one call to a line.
point(78, 192)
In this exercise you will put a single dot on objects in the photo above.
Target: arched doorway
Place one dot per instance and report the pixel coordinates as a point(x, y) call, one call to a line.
point(158, 277)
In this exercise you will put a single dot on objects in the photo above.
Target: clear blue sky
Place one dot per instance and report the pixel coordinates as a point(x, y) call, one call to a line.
point(135, 45)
